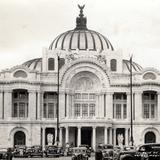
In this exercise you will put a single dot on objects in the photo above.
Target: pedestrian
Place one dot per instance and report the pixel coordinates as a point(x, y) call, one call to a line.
point(9, 154)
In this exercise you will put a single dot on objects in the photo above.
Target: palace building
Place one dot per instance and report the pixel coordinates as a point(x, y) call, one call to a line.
point(94, 95)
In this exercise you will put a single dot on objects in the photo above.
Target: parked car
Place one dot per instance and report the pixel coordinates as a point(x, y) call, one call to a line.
point(53, 151)
point(129, 148)
point(3, 153)
point(145, 152)
point(68, 151)
point(79, 153)
point(105, 151)
point(117, 150)
point(89, 149)
point(35, 151)
point(20, 151)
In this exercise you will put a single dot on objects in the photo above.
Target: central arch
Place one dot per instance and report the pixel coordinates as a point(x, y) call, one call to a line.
point(150, 137)
point(19, 138)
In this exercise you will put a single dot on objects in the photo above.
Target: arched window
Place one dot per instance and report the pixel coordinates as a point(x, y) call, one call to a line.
point(19, 138)
point(150, 137)
point(20, 73)
point(113, 65)
point(51, 64)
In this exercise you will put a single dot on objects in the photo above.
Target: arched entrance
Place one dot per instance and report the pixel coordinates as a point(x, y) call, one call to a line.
point(150, 137)
point(19, 138)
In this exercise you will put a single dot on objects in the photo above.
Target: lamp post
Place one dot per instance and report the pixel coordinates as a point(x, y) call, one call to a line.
point(132, 141)
point(57, 138)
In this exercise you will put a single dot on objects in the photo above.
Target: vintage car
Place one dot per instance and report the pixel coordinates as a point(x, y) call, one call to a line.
point(117, 150)
point(68, 151)
point(3, 153)
point(35, 151)
point(79, 153)
point(20, 151)
point(143, 152)
point(105, 151)
point(53, 151)
point(89, 149)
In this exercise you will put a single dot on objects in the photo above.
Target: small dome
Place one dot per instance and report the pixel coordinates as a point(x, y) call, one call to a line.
point(34, 64)
point(81, 38)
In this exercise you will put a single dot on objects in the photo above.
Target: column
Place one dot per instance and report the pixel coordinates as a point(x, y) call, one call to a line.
point(109, 105)
point(158, 105)
point(126, 136)
point(102, 105)
point(79, 136)
point(7, 104)
point(110, 135)
point(97, 106)
point(1, 104)
point(43, 137)
point(41, 104)
point(138, 106)
point(55, 130)
point(38, 105)
point(61, 105)
point(128, 106)
point(114, 136)
point(32, 105)
point(67, 134)
point(60, 136)
point(67, 107)
point(94, 138)
point(105, 134)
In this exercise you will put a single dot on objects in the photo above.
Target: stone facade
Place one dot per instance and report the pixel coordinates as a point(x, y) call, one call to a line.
point(94, 96)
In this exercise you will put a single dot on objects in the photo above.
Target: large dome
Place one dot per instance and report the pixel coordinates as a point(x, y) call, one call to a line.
point(81, 38)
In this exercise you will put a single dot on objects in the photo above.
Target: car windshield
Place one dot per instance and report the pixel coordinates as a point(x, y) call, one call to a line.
point(108, 147)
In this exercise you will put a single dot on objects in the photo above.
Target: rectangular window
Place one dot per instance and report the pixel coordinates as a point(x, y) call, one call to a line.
point(92, 110)
point(84, 95)
point(15, 110)
point(50, 110)
point(77, 110)
point(92, 96)
point(118, 111)
point(146, 111)
point(44, 110)
point(21, 109)
point(152, 111)
point(77, 96)
point(84, 110)
point(124, 111)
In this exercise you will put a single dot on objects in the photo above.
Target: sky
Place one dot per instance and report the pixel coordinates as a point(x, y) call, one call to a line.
point(27, 26)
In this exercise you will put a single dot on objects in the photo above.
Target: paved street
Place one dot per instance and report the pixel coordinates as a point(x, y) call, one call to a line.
point(60, 158)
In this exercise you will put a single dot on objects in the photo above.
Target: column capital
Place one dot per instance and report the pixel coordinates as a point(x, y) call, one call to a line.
point(94, 127)
point(79, 127)
point(138, 92)
point(109, 93)
point(7, 91)
point(31, 91)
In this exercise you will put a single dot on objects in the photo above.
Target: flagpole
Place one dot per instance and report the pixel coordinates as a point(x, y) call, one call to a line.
point(57, 138)
point(131, 100)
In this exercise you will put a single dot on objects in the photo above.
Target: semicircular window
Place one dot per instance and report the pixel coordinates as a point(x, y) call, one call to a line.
point(149, 75)
point(20, 74)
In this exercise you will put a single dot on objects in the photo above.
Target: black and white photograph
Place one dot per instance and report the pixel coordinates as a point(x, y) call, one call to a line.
point(80, 79)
